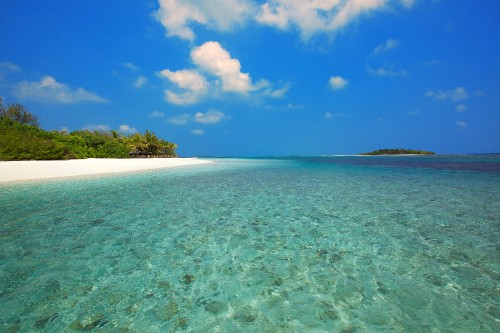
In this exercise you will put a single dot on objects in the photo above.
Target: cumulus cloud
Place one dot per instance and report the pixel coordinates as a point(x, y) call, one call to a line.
point(315, 16)
point(126, 129)
point(193, 84)
point(175, 16)
point(454, 95)
point(140, 82)
point(388, 45)
point(48, 90)
point(216, 71)
point(197, 132)
point(309, 17)
point(178, 15)
point(208, 118)
point(214, 59)
point(337, 82)
point(328, 115)
point(461, 124)
point(100, 127)
point(187, 79)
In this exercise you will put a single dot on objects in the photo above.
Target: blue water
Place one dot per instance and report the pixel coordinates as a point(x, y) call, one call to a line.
point(328, 244)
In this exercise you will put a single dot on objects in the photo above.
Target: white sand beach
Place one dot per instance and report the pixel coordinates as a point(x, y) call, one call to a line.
point(12, 171)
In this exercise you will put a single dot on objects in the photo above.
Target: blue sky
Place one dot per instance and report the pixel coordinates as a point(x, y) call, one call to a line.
point(268, 77)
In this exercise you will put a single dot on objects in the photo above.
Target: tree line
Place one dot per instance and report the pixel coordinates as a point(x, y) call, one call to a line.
point(398, 151)
point(21, 138)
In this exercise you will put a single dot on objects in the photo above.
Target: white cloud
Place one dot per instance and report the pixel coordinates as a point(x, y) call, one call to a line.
point(48, 90)
point(315, 16)
point(454, 95)
point(280, 92)
point(309, 17)
point(126, 129)
point(177, 15)
point(181, 119)
point(460, 107)
point(185, 98)
point(131, 66)
point(210, 117)
point(288, 107)
point(337, 82)
point(197, 132)
point(461, 124)
point(186, 79)
point(216, 71)
point(194, 84)
point(6, 65)
point(329, 115)
point(269, 91)
point(291, 106)
point(388, 45)
point(157, 114)
point(101, 128)
point(387, 72)
point(140, 82)
point(214, 59)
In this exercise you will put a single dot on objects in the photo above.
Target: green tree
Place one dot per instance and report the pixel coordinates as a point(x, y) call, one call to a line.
point(26, 142)
point(18, 113)
point(22, 139)
point(137, 144)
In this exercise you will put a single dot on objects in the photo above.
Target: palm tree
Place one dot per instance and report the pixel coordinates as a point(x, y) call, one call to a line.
point(115, 134)
point(136, 144)
point(152, 143)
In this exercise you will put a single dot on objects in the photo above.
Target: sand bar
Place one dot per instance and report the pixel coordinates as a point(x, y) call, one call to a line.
point(13, 171)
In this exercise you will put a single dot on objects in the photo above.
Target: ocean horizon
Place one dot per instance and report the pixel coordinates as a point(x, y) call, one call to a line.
point(263, 244)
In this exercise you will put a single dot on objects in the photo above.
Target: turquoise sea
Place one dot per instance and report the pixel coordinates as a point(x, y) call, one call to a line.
point(320, 244)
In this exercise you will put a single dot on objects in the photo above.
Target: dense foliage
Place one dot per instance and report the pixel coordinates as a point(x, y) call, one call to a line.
point(22, 139)
point(17, 113)
point(398, 151)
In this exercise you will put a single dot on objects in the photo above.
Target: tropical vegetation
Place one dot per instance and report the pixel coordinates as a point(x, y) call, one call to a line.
point(398, 151)
point(21, 138)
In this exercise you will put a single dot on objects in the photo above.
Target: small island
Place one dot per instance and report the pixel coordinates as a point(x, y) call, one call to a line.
point(398, 151)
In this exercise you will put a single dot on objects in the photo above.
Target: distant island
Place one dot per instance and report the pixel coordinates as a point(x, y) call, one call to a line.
point(398, 151)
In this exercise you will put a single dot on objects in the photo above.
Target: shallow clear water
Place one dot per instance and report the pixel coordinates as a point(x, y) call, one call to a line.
point(332, 244)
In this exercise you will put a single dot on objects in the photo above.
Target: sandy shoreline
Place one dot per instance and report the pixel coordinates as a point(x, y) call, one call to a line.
point(14, 171)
